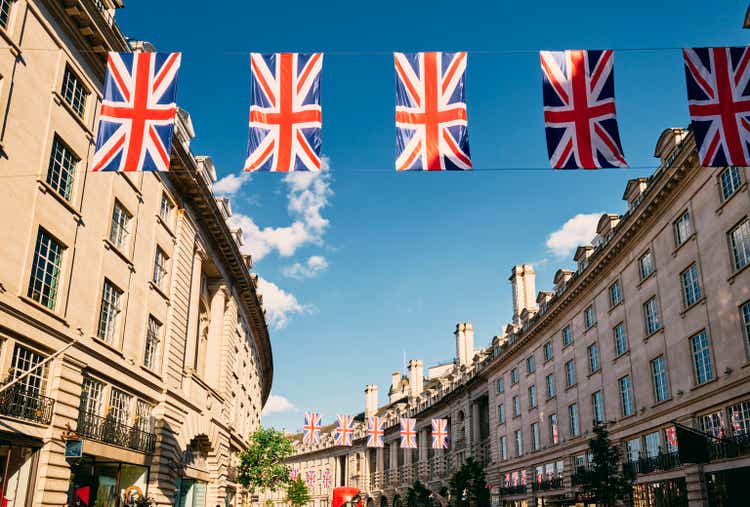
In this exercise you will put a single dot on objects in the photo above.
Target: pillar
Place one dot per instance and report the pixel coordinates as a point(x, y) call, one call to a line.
point(191, 345)
point(215, 337)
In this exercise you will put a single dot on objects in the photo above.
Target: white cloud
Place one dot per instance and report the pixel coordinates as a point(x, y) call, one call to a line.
point(280, 305)
point(231, 183)
point(315, 265)
point(579, 230)
point(277, 404)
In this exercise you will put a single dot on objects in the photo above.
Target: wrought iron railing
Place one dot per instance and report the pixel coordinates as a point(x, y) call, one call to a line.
point(376, 480)
point(519, 489)
point(578, 475)
point(730, 447)
point(23, 403)
point(661, 461)
point(106, 429)
point(554, 483)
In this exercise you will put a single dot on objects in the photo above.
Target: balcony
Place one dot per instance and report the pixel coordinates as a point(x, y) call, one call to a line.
point(376, 481)
point(547, 484)
point(106, 429)
point(660, 462)
point(519, 489)
point(23, 403)
point(731, 447)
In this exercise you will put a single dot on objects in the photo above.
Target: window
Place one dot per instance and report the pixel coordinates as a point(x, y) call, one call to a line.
point(729, 180)
point(62, 166)
point(519, 443)
point(501, 413)
point(682, 229)
point(634, 449)
point(570, 373)
point(118, 229)
point(45, 270)
point(593, 351)
point(653, 444)
point(651, 312)
point(514, 376)
point(516, 406)
point(25, 360)
point(713, 424)
point(745, 315)
point(532, 396)
point(626, 396)
point(119, 406)
point(739, 240)
point(701, 358)
point(153, 334)
point(91, 397)
point(143, 419)
point(108, 312)
point(500, 385)
point(550, 385)
point(160, 267)
point(503, 448)
point(535, 444)
point(567, 336)
point(615, 294)
point(5, 6)
point(530, 364)
point(74, 92)
point(598, 407)
point(575, 427)
point(165, 209)
point(646, 264)
point(554, 437)
point(739, 415)
point(621, 339)
point(589, 319)
point(548, 353)
point(659, 377)
point(691, 288)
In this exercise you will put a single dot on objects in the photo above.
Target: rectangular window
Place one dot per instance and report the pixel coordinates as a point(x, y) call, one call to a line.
point(119, 406)
point(503, 448)
point(570, 373)
point(739, 240)
point(739, 418)
point(598, 407)
point(25, 360)
point(501, 413)
point(535, 444)
point(548, 353)
point(589, 319)
point(621, 340)
point(165, 208)
point(701, 358)
point(550, 385)
point(634, 449)
point(651, 313)
point(5, 6)
point(653, 444)
point(109, 312)
point(532, 396)
point(713, 424)
point(745, 315)
point(153, 337)
point(91, 396)
point(691, 288)
point(143, 418)
point(500, 385)
point(514, 376)
point(519, 443)
point(575, 427)
point(593, 351)
point(567, 336)
point(62, 167)
point(554, 436)
point(530, 364)
point(118, 229)
point(516, 406)
point(659, 377)
point(73, 91)
point(45, 270)
point(682, 229)
point(160, 267)
point(615, 294)
point(646, 265)
point(627, 407)
point(730, 182)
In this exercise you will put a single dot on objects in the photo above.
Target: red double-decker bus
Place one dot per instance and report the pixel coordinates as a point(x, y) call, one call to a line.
point(346, 497)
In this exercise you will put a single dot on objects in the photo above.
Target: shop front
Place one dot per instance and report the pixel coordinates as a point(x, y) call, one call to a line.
point(97, 482)
point(191, 492)
point(18, 460)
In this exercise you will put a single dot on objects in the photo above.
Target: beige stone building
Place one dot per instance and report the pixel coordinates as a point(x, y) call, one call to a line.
point(652, 328)
point(167, 361)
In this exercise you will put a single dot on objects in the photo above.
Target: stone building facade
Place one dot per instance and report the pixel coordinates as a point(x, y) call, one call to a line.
point(652, 328)
point(168, 360)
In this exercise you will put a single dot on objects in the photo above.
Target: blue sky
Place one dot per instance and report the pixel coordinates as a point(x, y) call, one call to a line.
point(364, 264)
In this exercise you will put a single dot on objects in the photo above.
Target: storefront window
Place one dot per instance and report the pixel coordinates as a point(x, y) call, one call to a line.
point(191, 493)
point(106, 484)
point(669, 493)
point(15, 475)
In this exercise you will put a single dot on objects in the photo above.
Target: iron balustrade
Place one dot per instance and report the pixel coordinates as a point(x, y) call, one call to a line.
point(106, 429)
point(661, 461)
point(554, 483)
point(729, 447)
point(519, 489)
point(578, 475)
point(23, 403)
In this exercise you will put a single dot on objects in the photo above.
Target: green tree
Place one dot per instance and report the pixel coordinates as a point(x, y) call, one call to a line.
point(418, 495)
point(468, 486)
point(262, 463)
point(605, 481)
point(297, 493)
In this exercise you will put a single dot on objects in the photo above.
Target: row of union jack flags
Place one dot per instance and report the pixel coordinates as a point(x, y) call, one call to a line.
point(136, 118)
point(311, 477)
point(344, 431)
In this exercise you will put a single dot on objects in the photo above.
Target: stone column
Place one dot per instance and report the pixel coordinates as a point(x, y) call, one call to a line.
point(696, 486)
point(215, 337)
point(191, 345)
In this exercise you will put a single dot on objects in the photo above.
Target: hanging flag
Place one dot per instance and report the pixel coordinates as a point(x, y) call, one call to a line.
point(326, 479)
point(440, 433)
point(342, 435)
point(719, 103)
point(136, 119)
point(311, 429)
point(375, 431)
point(431, 123)
point(579, 109)
point(671, 435)
point(408, 433)
point(311, 478)
point(293, 474)
point(285, 112)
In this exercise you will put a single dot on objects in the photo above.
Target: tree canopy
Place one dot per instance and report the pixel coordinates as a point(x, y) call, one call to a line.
point(418, 495)
point(297, 493)
point(262, 463)
point(468, 486)
point(604, 481)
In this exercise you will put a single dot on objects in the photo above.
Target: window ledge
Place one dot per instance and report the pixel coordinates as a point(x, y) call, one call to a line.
point(690, 238)
point(568, 345)
point(550, 398)
point(648, 336)
point(592, 326)
point(166, 226)
point(46, 188)
point(731, 278)
point(60, 100)
point(41, 307)
point(15, 50)
point(150, 371)
point(158, 290)
point(684, 311)
point(698, 386)
point(591, 374)
point(662, 402)
point(108, 346)
point(742, 188)
point(111, 246)
point(644, 280)
point(626, 353)
point(614, 307)
point(568, 388)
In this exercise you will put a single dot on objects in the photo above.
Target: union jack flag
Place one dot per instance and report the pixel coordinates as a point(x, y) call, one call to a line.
point(440, 433)
point(136, 118)
point(671, 434)
point(293, 474)
point(344, 430)
point(285, 112)
point(311, 429)
point(311, 478)
point(579, 109)
point(408, 433)
point(326, 479)
point(431, 122)
point(375, 431)
point(719, 103)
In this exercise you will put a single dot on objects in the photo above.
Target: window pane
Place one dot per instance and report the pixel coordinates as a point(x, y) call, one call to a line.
point(659, 376)
point(646, 265)
point(598, 407)
point(653, 321)
point(119, 406)
point(593, 358)
point(25, 360)
point(118, 231)
point(626, 396)
point(45, 270)
point(682, 229)
point(5, 6)
point(702, 358)
point(621, 340)
point(574, 424)
point(91, 396)
point(109, 312)
point(730, 182)
point(73, 91)
point(691, 289)
point(153, 333)
point(740, 243)
point(62, 163)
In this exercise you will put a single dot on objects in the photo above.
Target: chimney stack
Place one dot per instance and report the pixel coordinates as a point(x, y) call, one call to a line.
point(416, 378)
point(469, 342)
point(522, 279)
point(460, 344)
point(371, 399)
